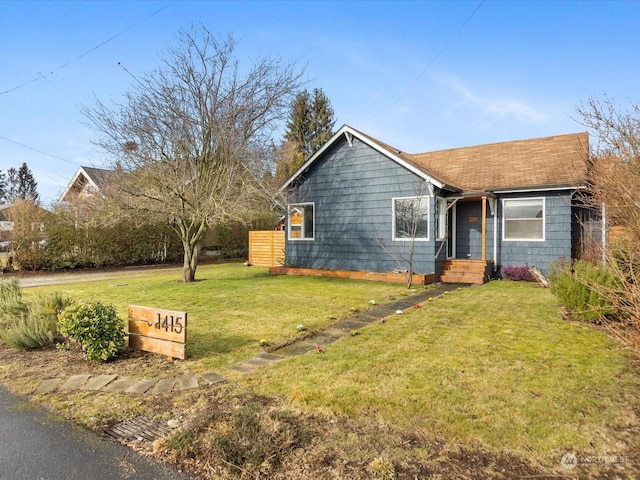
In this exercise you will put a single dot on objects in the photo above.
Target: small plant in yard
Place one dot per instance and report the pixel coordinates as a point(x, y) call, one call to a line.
point(29, 324)
point(263, 342)
point(95, 326)
point(417, 305)
point(584, 289)
point(301, 328)
point(382, 320)
point(12, 304)
point(399, 312)
point(354, 333)
point(517, 274)
point(319, 349)
point(353, 309)
point(372, 302)
point(383, 468)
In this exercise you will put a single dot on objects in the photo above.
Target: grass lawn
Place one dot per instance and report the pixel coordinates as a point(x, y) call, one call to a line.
point(232, 307)
point(491, 368)
point(492, 364)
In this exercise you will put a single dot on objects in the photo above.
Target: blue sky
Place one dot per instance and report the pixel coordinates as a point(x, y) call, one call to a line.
point(420, 76)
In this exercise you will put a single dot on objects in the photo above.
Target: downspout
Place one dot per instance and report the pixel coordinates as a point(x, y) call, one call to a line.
point(495, 235)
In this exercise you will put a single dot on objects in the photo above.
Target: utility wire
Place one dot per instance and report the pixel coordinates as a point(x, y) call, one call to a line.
point(38, 151)
point(433, 60)
point(41, 76)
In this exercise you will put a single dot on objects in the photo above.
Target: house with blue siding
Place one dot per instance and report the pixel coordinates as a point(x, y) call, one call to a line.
point(361, 205)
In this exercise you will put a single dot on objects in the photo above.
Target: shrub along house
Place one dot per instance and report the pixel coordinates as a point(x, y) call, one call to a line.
point(361, 205)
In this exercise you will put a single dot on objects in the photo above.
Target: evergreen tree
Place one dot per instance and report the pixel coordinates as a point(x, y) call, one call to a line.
point(28, 187)
point(322, 121)
point(21, 184)
point(299, 124)
point(3, 187)
point(310, 125)
point(12, 184)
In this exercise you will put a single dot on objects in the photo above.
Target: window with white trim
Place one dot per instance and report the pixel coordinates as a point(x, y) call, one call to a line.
point(301, 221)
point(523, 219)
point(411, 218)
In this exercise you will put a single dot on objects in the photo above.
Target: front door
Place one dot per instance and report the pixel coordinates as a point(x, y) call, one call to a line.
point(468, 230)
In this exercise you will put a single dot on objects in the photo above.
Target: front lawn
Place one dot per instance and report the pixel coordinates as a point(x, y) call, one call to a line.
point(485, 382)
point(492, 364)
point(232, 307)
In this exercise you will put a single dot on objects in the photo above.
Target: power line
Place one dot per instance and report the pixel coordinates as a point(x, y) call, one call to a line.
point(437, 55)
point(41, 76)
point(38, 151)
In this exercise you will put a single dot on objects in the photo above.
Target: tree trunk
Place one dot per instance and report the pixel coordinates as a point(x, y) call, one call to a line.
point(191, 253)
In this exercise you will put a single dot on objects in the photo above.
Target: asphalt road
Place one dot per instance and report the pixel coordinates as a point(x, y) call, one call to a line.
point(38, 279)
point(36, 445)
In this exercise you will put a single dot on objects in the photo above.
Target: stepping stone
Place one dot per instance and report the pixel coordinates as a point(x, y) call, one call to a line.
point(74, 382)
point(164, 385)
point(48, 386)
point(212, 377)
point(119, 385)
point(241, 368)
point(99, 382)
point(298, 348)
point(272, 357)
point(188, 382)
point(142, 386)
point(256, 362)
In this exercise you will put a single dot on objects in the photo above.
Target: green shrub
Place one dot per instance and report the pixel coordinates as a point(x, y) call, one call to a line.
point(32, 324)
point(95, 326)
point(584, 289)
point(29, 333)
point(12, 306)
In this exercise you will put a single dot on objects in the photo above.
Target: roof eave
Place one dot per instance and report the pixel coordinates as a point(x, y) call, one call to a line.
point(537, 188)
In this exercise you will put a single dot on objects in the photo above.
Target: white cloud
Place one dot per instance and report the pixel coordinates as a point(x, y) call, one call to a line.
point(493, 107)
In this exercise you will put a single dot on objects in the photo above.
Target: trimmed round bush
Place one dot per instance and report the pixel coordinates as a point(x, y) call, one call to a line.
point(95, 326)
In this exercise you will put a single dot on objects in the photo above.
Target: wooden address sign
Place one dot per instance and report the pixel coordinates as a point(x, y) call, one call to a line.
point(158, 330)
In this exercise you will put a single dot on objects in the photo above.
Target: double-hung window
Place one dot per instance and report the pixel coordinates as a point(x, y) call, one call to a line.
point(523, 219)
point(301, 221)
point(411, 218)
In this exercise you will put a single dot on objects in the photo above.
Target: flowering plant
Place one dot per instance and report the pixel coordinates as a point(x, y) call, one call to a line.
point(301, 328)
point(320, 348)
point(399, 312)
point(372, 302)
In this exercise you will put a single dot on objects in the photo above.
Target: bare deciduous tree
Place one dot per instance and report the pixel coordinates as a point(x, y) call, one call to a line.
point(615, 183)
point(189, 141)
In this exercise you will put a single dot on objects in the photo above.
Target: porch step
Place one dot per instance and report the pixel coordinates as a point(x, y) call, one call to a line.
point(465, 271)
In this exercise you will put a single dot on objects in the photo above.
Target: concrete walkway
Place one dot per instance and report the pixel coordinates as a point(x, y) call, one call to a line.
point(140, 386)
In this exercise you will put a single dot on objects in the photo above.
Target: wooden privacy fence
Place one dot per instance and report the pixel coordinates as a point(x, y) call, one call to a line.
point(266, 248)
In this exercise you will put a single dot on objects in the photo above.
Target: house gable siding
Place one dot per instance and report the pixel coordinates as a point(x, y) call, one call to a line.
point(352, 187)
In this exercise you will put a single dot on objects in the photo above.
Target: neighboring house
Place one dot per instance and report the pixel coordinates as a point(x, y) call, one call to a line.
point(6, 225)
point(86, 183)
point(361, 205)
